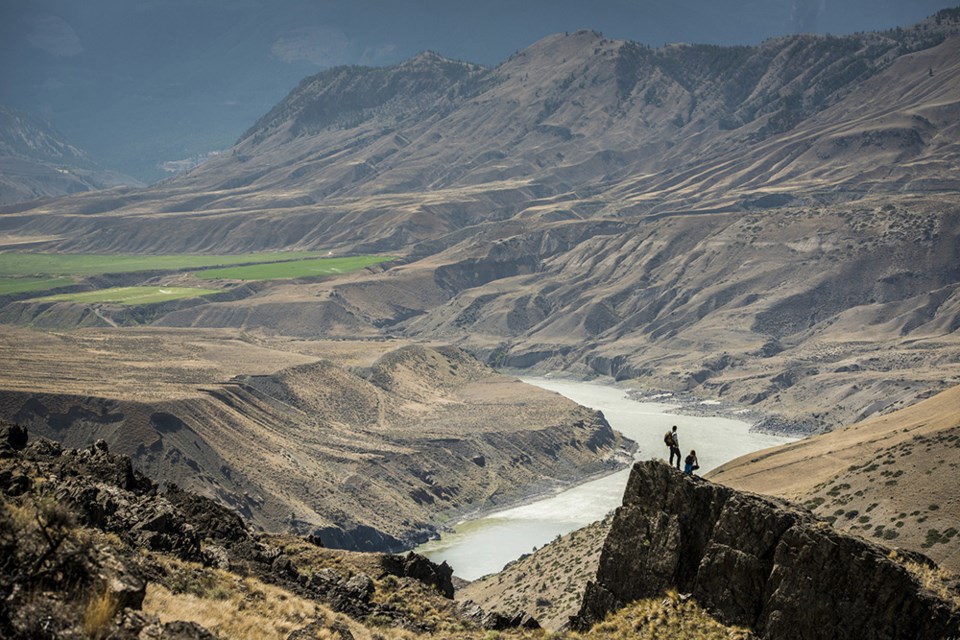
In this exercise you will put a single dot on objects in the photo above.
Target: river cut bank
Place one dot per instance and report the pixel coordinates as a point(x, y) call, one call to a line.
point(480, 546)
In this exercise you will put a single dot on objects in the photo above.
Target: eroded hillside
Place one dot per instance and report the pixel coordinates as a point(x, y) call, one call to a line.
point(375, 456)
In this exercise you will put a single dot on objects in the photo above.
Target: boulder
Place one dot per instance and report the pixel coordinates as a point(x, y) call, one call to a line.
point(416, 566)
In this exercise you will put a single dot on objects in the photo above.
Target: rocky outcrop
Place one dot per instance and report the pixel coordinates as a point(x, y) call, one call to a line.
point(757, 562)
point(414, 565)
point(79, 494)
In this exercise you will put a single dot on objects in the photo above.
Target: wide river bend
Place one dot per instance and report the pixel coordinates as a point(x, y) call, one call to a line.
point(478, 547)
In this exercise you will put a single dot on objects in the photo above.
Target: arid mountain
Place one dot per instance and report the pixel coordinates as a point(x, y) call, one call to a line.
point(37, 162)
point(92, 548)
point(774, 225)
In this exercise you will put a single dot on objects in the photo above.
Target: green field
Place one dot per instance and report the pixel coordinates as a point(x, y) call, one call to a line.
point(130, 295)
point(24, 285)
point(298, 269)
point(85, 264)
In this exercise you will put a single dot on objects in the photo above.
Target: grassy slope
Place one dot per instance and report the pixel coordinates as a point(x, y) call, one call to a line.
point(889, 478)
point(26, 285)
point(27, 272)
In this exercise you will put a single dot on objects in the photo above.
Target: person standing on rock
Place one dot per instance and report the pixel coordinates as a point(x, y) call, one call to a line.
point(691, 464)
point(672, 440)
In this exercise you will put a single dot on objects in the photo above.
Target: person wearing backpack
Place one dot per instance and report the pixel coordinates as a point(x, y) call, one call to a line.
point(672, 440)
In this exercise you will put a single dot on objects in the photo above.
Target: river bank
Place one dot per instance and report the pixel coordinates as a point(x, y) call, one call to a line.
point(483, 545)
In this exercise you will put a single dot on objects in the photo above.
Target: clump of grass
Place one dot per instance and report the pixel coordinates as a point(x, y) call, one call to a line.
point(671, 617)
point(98, 615)
point(937, 580)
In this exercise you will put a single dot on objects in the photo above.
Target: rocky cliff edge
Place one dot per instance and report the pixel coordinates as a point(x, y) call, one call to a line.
point(758, 562)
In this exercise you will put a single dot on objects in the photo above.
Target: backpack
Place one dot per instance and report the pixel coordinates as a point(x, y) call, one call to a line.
point(668, 438)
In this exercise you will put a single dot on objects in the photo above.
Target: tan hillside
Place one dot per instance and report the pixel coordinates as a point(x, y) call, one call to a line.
point(373, 453)
point(890, 478)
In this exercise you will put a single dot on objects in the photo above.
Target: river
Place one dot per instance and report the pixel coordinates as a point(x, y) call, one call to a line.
point(478, 547)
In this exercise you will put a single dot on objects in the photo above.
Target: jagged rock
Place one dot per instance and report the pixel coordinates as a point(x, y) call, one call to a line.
point(352, 599)
point(343, 631)
point(360, 587)
point(755, 561)
point(284, 566)
point(12, 438)
point(212, 520)
point(122, 578)
point(325, 579)
point(309, 632)
point(13, 482)
point(182, 630)
point(97, 462)
point(215, 556)
point(137, 625)
point(416, 566)
point(496, 621)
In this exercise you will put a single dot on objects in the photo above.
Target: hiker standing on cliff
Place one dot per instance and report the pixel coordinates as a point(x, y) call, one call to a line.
point(672, 440)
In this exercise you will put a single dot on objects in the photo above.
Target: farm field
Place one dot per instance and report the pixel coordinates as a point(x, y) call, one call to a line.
point(131, 295)
point(14, 264)
point(294, 269)
point(29, 272)
point(26, 285)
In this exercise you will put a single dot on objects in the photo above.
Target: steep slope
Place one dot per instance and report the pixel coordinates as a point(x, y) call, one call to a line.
point(376, 457)
point(890, 478)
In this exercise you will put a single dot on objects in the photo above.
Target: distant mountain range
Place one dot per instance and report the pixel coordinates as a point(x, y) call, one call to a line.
point(133, 99)
point(777, 225)
point(37, 162)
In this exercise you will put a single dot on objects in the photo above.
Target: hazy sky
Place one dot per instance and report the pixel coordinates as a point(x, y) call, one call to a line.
point(138, 81)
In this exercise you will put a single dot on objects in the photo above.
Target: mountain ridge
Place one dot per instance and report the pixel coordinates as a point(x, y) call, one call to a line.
point(596, 215)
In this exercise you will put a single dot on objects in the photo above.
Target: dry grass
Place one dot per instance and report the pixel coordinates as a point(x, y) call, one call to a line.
point(98, 615)
point(670, 617)
point(226, 604)
point(937, 580)
point(547, 584)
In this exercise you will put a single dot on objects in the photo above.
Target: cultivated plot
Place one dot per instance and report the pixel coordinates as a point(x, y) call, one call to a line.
point(131, 295)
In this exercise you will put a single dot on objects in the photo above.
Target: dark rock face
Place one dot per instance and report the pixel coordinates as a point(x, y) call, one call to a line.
point(496, 621)
point(12, 438)
point(413, 565)
point(755, 561)
point(358, 538)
